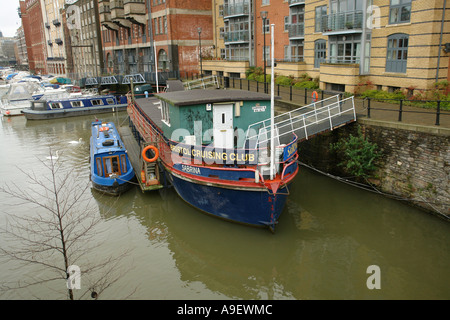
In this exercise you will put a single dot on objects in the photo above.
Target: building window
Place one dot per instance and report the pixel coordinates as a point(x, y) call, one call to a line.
point(345, 49)
point(320, 13)
point(265, 2)
point(320, 52)
point(296, 51)
point(400, 11)
point(163, 61)
point(397, 53)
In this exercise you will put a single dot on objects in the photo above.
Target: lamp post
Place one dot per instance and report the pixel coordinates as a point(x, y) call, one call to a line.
point(200, 51)
point(264, 17)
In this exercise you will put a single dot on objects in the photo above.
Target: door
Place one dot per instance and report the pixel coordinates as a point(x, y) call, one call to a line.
point(223, 126)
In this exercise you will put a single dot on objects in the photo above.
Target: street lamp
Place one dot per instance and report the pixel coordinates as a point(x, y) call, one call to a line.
point(264, 17)
point(200, 51)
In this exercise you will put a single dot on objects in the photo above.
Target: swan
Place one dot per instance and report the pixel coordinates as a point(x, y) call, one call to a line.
point(76, 142)
point(53, 157)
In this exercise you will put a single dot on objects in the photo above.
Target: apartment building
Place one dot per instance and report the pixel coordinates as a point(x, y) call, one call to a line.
point(135, 32)
point(52, 13)
point(389, 43)
point(21, 49)
point(81, 22)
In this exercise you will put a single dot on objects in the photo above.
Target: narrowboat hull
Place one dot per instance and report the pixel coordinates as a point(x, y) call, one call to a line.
point(65, 113)
point(112, 189)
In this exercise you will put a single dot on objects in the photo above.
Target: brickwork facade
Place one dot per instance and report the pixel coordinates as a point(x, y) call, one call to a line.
point(342, 42)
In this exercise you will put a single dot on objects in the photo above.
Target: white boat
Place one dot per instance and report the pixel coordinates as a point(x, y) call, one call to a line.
point(17, 98)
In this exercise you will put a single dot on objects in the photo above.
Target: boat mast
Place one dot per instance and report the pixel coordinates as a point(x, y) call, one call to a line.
point(272, 105)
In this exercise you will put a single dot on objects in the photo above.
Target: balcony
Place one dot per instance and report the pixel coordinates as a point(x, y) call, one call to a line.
point(47, 25)
point(342, 22)
point(118, 14)
point(236, 37)
point(296, 31)
point(58, 41)
point(134, 10)
point(56, 23)
point(235, 10)
point(105, 16)
point(296, 2)
point(49, 42)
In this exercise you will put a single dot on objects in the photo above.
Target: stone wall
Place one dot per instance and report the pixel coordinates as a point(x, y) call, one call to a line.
point(415, 163)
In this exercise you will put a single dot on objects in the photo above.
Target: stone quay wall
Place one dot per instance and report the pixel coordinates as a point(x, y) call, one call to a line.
point(414, 162)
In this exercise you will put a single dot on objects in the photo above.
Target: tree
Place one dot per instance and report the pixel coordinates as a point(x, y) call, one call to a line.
point(59, 234)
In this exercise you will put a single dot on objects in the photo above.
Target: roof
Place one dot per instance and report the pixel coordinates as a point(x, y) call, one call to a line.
point(204, 96)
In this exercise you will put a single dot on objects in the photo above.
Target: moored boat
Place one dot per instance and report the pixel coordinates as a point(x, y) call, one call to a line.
point(201, 139)
point(74, 106)
point(111, 169)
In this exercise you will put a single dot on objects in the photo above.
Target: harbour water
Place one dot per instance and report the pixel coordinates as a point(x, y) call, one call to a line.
point(329, 235)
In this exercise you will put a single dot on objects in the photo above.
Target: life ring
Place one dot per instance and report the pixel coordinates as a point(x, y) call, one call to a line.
point(144, 153)
point(315, 96)
point(104, 129)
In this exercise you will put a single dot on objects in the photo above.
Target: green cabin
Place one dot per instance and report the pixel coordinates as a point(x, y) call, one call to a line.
point(212, 116)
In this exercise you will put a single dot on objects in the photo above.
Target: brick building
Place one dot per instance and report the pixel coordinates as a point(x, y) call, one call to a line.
point(389, 43)
point(33, 26)
point(132, 31)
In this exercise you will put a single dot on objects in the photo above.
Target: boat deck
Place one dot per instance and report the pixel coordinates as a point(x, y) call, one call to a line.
point(151, 107)
point(134, 154)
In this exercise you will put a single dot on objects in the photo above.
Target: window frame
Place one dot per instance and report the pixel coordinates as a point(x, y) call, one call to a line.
point(399, 7)
point(396, 48)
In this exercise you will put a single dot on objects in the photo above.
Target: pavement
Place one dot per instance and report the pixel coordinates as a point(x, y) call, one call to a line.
point(382, 113)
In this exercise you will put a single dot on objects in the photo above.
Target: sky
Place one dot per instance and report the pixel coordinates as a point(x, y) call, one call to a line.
point(9, 18)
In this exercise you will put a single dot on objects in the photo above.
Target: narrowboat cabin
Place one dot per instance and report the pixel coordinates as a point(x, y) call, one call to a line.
point(111, 169)
point(210, 156)
point(74, 106)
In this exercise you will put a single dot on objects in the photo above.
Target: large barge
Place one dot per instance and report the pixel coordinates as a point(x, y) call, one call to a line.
point(200, 142)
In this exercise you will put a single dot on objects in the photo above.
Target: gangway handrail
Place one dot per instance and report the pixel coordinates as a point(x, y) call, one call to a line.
point(301, 121)
point(202, 83)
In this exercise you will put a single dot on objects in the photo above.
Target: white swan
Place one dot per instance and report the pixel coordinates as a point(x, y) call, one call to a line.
point(53, 157)
point(76, 142)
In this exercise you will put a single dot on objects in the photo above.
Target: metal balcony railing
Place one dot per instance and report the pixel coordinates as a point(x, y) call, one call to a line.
point(236, 36)
point(236, 9)
point(296, 30)
point(296, 2)
point(342, 21)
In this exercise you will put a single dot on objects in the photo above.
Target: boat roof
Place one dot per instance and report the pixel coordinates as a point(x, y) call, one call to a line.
point(203, 96)
point(99, 137)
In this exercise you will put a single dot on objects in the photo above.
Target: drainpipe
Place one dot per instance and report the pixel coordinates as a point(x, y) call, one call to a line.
point(440, 41)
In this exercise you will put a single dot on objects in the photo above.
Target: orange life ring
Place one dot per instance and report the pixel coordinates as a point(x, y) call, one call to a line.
point(155, 150)
point(315, 96)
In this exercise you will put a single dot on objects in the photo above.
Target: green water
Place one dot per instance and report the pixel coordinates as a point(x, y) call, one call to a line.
point(327, 237)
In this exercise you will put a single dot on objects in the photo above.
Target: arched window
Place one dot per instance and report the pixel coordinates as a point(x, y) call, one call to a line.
point(397, 53)
point(163, 61)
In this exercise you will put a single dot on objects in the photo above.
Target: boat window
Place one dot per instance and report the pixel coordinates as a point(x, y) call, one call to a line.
point(223, 118)
point(165, 115)
point(99, 167)
point(111, 165)
point(55, 105)
point(97, 102)
point(38, 106)
point(123, 162)
point(110, 101)
point(76, 104)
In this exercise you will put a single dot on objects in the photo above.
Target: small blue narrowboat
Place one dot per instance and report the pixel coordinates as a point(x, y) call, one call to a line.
point(74, 106)
point(111, 169)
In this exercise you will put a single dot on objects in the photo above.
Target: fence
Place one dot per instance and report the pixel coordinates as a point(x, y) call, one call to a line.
point(304, 96)
point(435, 107)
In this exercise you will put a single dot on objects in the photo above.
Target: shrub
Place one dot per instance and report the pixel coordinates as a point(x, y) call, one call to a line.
point(358, 155)
point(284, 81)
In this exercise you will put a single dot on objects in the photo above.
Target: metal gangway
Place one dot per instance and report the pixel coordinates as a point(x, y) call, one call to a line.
point(202, 83)
point(305, 122)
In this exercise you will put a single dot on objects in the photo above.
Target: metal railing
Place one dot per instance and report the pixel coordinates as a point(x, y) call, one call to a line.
point(304, 122)
point(202, 83)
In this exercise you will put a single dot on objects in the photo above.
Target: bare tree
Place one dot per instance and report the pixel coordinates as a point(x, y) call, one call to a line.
point(59, 234)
